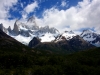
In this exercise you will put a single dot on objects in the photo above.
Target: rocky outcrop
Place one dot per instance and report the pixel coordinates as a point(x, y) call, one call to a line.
point(3, 35)
point(31, 23)
point(47, 29)
point(78, 43)
point(16, 29)
point(35, 41)
point(65, 46)
point(91, 37)
point(25, 33)
point(9, 29)
point(67, 35)
point(31, 19)
point(3, 28)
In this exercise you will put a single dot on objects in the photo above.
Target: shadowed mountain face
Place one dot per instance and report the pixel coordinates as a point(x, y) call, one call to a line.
point(25, 31)
point(8, 44)
point(63, 46)
point(3, 35)
point(48, 38)
point(35, 41)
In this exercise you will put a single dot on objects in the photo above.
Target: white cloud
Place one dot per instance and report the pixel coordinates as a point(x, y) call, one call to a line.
point(21, 5)
point(6, 23)
point(64, 3)
point(5, 6)
point(84, 15)
point(29, 8)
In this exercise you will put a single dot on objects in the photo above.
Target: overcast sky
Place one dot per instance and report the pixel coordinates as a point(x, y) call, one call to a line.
point(75, 15)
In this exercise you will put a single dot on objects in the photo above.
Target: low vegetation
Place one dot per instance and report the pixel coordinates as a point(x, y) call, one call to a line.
point(40, 63)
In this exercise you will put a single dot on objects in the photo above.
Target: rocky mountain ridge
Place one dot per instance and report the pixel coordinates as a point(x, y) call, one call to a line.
point(91, 37)
point(25, 32)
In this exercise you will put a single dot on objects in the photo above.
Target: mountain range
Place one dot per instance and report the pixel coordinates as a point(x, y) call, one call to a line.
point(92, 37)
point(48, 52)
point(18, 59)
point(11, 45)
point(24, 32)
point(30, 34)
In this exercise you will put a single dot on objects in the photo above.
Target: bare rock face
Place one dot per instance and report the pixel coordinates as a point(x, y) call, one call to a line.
point(31, 22)
point(31, 19)
point(48, 29)
point(24, 33)
point(9, 29)
point(16, 30)
point(3, 28)
point(3, 35)
point(35, 41)
point(91, 37)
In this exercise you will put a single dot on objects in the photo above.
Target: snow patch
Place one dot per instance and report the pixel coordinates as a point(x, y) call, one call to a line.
point(90, 36)
point(68, 35)
point(22, 39)
point(47, 37)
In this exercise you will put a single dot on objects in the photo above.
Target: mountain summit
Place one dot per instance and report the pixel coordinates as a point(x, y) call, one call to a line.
point(31, 20)
point(24, 32)
point(31, 23)
point(91, 37)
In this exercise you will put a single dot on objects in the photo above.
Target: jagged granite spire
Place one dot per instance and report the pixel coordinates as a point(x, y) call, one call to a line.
point(48, 29)
point(1, 26)
point(32, 20)
point(9, 29)
point(16, 29)
point(31, 23)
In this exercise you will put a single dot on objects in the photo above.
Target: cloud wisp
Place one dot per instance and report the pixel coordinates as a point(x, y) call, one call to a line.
point(29, 9)
point(84, 15)
point(5, 6)
point(64, 3)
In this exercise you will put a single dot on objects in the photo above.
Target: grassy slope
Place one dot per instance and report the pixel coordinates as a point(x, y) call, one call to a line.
point(81, 63)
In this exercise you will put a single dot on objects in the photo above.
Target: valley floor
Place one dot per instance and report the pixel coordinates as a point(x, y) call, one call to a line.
point(80, 63)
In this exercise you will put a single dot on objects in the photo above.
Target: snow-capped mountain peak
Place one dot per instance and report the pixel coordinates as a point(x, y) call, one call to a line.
point(87, 31)
point(31, 19)
point(3, 28)
point(24, 32)
point(47, 37)
point(91, 37)
point(69, 32)
point(16, 29)
point(48, 29)
point(67, 35)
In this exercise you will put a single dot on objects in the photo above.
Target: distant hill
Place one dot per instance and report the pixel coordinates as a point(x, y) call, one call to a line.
point(8, 44)
point(80, 63)
point(63, 46)
point(18, 59)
